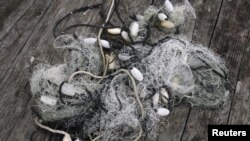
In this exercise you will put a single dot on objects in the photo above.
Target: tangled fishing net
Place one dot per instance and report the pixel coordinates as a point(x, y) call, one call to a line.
point(136, 88)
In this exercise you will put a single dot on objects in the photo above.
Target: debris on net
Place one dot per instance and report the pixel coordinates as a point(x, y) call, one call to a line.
point(194, 73)
point(142, 83)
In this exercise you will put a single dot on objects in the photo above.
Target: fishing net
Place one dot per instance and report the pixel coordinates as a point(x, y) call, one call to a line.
point(116, 106)
point(194, 73)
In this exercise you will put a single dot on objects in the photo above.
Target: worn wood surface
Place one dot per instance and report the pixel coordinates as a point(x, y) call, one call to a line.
point(229, 40)
point(10, 12)
point(13, 89)
point(207, 13)
point(26, 30)
point(239, 113)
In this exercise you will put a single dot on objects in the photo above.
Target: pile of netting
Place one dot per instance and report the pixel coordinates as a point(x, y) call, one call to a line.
point(126, 93)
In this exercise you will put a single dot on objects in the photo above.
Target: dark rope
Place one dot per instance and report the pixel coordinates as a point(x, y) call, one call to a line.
point(99, 104)
point(215, 71)
point(119, 101)
point(32, 135)
point(60, 93)
point(118, 14)
point(80, 25)
point(147, 35)
point(152, 2)
point(82, 9)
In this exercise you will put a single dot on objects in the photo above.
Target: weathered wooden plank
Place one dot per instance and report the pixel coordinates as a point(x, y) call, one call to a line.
point(229, 41)
point(13, 43)
point(10, 13)
point(24, 133)
point(177, 121)
point(40, 46)
point(24, 126)
point(240, 111)
point(11, 107)
point(32, 48)
point(14, 98)
point(207, 12)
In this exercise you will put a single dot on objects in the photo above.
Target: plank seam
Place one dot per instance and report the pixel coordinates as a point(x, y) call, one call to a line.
point(185, 126)
point(237, 77)
point(8, 135)
point(215, 25)
point(20, 115)
point(210, 40)
point(18, 19)
point(12, 130)
point(189, 109)
point(3, 82)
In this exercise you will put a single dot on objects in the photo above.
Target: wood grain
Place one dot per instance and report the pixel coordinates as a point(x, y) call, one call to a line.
point(229, 41)
point(10, 12)
point(14, 92)
point(27, 31)
point(23, 125)
point(14, 42)
point(207, 13)
point(39, 45)
point(240, 111)
point(177, 121)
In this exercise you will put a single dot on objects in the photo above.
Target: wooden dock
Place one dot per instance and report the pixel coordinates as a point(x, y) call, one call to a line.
point(26, 30)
